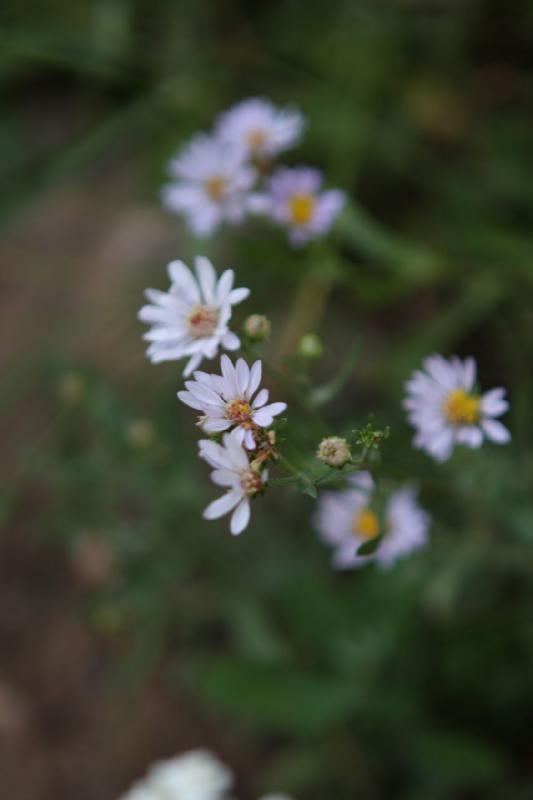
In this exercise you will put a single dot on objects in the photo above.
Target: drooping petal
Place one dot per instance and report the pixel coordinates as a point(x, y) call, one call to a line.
point(495, 431)
point(240, 517)
point(222, 505)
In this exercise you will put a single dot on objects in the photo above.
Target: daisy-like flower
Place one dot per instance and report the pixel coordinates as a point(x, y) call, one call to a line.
point(346, 519)
point(211, 182)
point(260, 128)
point(191, 319)
point(445, 408)
point(229, 400)
point(232, 470)
point(197, 775)
point(295, 201)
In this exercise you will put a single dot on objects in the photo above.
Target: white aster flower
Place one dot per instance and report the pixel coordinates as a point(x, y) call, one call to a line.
point(295, 201)
point(229, 400)
point(346, 519)
point(445, 408)
point(197, 775)
point(260, 128)
point(191, 319)
point(233, 471)
point(211, 182)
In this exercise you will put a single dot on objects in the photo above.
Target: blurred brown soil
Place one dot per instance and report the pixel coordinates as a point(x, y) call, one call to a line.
point(72, 269)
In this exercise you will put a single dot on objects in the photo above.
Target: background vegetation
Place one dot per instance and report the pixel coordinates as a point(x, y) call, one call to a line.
point(129, 628)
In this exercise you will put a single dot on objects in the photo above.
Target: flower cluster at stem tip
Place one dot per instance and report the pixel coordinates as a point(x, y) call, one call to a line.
point(215, 180)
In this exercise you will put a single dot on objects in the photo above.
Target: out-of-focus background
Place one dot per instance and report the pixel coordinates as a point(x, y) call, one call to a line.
point(129, 628)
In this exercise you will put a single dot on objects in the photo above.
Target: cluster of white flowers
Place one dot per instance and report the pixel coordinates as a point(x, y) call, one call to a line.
point(191, 321)
point(230, 173)
point(223, 177)
point(197, 775)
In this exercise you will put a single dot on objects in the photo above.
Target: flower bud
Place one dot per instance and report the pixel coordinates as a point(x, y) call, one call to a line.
point(310, 346)
point(334, 451)
point(257, 327)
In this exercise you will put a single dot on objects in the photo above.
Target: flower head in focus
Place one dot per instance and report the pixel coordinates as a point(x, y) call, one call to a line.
point(346, 519)
point(211, 180)
point(191, 319)
point(445, 408)
point(233, 471)
point(260, 128)
point(197, 775)
point(229, 400)
point(334, 451)
point(295, 201)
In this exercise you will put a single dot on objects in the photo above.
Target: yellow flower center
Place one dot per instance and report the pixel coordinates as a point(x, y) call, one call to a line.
point(256, 139)
point(202, 321)
point(461, 408)
point(301, 208)
point(215, 187)
point(365, 524)
point(238, 411)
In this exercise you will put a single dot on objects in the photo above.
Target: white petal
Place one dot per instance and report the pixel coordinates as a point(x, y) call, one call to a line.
point(255, 379)
point(495, 431)
point(242, 372)
point(207, 278)
point(249, 441)
point(493, 402)
point(238, 295)
point(191, 401)
point(228, 371)
point(223, 290)
point(224, 477)
point(230, 341)
point(222, 505)
point(264, 416)
point(470, 436)
point(192, 364)
point(183, 279)
point(240, 517)
point(261, 399)
point(214, 425)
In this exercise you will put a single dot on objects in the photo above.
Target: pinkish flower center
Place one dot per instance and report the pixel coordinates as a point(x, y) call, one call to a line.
point(251, 482)
point(239, 411)
point(216, 187)
point(301, 208)
point(202, 321)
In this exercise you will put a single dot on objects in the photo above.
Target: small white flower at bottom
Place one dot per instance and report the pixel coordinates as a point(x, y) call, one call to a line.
point(197, 775)
point(233, 471)
point(227, 400)
point(346, 519)
point(446, 410)
point(191, 319)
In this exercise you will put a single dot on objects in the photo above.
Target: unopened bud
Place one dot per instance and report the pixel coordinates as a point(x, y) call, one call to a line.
point(334, 451)
point(310, 346)
point(257, 327)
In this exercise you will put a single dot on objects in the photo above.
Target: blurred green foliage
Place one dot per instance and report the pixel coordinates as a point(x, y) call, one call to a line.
point(414, 683)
